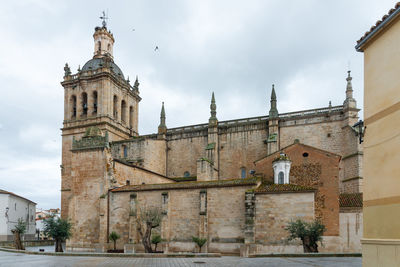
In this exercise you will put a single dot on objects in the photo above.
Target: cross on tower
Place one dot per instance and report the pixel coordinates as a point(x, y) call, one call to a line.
point(104, 17)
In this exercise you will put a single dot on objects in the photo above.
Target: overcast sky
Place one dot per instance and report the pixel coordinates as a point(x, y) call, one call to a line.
point(235, 48)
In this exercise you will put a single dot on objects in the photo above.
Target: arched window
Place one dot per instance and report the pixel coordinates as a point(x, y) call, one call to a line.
point(73, 107)
point(281, 176)
point(243, 172)
point(84, 104)
point(124, 151)
point(108, 47)
point(186, 174)
point(94, 102)
point(99, 46)
point(123, 111)
point(115, 112)
point(130, 117)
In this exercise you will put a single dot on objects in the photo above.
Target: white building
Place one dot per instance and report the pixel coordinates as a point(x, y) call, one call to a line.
point(41, 215)
point(13, 207)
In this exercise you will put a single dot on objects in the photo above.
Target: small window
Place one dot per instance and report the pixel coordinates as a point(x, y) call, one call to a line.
point(281, 176)
point(305, 154)
point(164, 198)
point(243, 173)
point(15, 206)
point(125, 151)
point(186, 174)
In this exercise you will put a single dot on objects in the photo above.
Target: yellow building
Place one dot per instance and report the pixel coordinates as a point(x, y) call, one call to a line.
point(381, 47)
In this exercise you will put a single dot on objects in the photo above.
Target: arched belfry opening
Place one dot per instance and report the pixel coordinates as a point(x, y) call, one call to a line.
point(84, 104)
point(115, 107)
point(73, 106)
point(130, 117)
point(95, 103)
point(123, 111)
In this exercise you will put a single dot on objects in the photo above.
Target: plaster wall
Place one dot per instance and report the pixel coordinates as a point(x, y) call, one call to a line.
point(19, 208)
point(381, 238)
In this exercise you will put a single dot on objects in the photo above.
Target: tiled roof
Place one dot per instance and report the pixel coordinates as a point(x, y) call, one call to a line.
point(379, 22)
point(351, 200)
point(283, 188)
point(187, 185)
point(11, 193)
point(184, 179)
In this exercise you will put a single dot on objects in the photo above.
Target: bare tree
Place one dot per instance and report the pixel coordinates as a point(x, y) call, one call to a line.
point(146, 220)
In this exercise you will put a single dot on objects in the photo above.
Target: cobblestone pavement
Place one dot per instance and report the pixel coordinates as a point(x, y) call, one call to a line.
point(19, 259)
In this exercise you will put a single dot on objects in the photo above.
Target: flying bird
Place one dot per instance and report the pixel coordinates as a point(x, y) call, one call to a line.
point(155, 49)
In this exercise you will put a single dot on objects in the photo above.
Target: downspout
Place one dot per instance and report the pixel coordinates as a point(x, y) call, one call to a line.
point(108, 216)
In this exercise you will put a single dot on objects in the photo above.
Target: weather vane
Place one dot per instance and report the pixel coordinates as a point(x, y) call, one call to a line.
point(104, 17)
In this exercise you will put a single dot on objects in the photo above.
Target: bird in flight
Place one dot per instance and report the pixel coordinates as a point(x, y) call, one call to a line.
point(155, 49)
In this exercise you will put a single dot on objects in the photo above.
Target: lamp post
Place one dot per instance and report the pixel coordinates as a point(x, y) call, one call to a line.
point(360, 129)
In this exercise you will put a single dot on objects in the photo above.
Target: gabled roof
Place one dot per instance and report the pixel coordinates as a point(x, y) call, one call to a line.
point(378, 27)
point(350, 200)
point(11, 193)
point(298, 144)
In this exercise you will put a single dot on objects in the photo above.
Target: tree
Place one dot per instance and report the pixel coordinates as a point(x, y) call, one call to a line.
point(146, 220)
point(19, 229)
point(114, 237)
point(155, 240)
point(59, 229)
point(199, 241)
point(308, 232)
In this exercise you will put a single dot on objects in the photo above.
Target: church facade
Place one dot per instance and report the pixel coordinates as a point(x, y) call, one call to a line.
point(236, 183)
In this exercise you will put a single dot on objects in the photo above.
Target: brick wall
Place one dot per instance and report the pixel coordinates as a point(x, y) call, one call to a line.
point(319, 169)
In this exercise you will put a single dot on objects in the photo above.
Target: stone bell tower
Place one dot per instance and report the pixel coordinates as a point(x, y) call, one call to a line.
point(100, 105)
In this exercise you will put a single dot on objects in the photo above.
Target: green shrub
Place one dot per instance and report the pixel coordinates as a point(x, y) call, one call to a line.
point(308, 232)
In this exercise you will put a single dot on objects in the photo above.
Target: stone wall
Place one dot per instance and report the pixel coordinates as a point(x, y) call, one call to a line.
point(147, 153)
point(183, 154)
point(220, 218)
point(239, 147)
point(124, 172)
point(273, 213)
point(88, 186)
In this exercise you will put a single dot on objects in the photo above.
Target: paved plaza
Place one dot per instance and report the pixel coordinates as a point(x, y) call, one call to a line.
point(19, 259)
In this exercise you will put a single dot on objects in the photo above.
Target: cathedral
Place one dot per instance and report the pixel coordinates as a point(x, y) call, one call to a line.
point(236, 183)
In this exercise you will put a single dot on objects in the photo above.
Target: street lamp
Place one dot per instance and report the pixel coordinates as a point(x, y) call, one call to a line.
point(360, 130)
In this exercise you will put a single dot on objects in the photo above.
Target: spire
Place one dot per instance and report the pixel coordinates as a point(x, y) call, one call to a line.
point(349, 101)
point(162, 128)
point(213, 107)
point(273, 112)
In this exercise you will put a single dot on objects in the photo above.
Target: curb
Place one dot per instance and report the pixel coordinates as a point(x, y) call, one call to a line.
point(306, 255)
point(121, 255)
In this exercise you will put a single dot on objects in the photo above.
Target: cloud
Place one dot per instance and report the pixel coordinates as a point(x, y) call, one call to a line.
point(236, 49)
